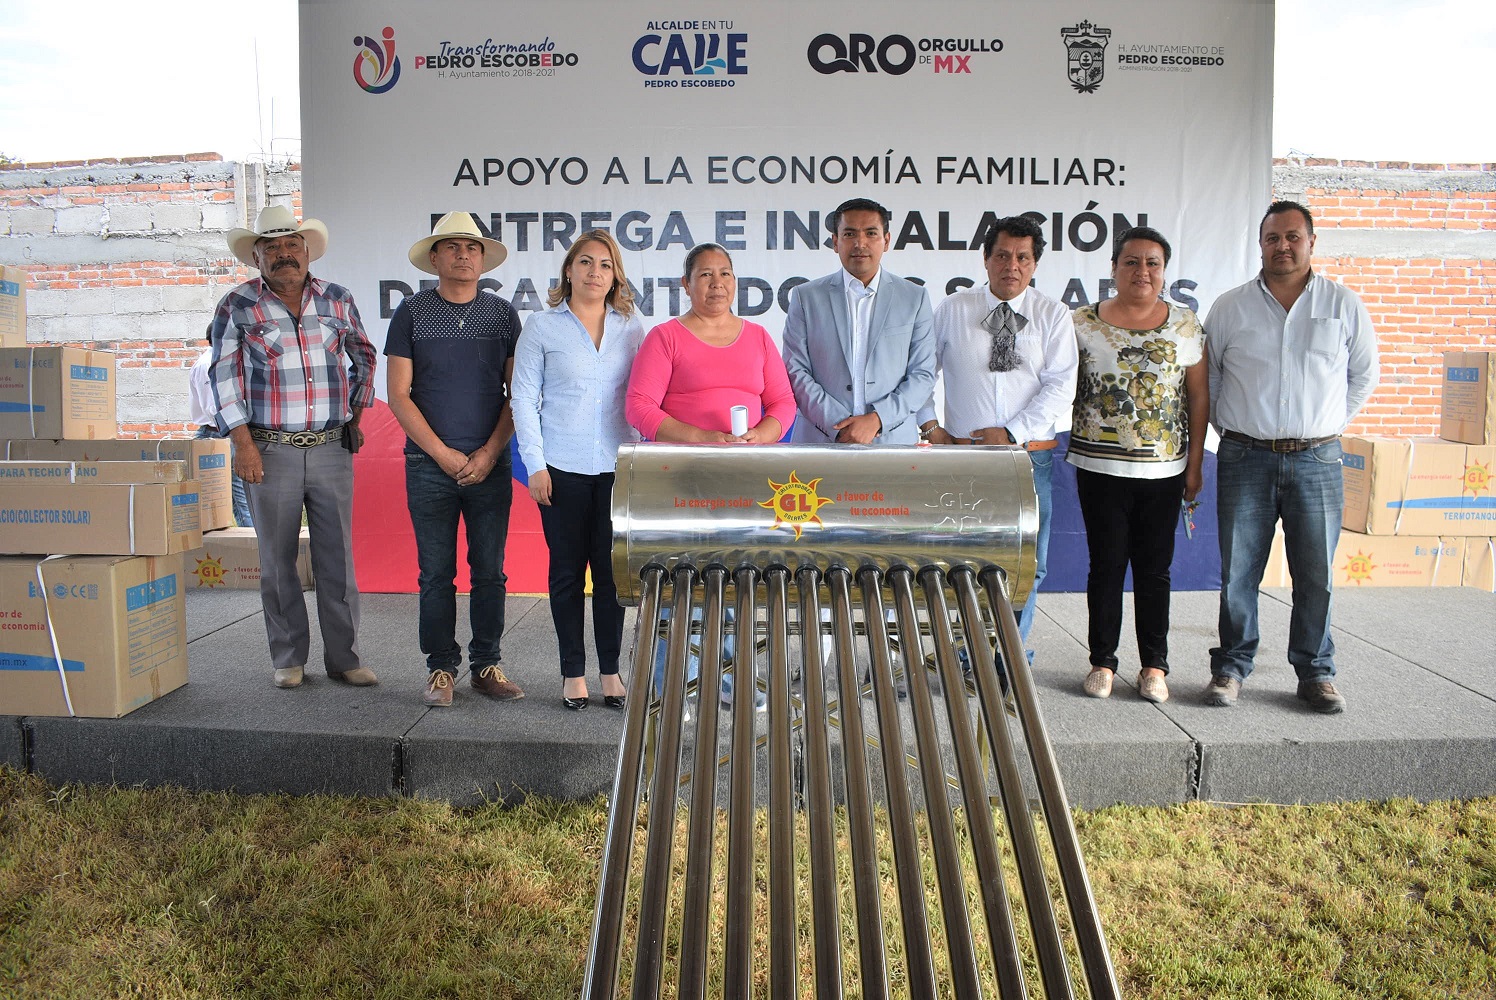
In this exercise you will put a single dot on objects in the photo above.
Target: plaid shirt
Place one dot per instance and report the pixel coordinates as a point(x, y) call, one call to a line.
point(271, 373)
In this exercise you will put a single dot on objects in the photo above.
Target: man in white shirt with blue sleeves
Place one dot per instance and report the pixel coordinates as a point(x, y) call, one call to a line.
point(1007, 354)
point(1292, 357)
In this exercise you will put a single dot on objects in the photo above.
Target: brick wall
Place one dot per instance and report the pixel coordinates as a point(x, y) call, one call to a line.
point(1418, 243)
point(128, 255)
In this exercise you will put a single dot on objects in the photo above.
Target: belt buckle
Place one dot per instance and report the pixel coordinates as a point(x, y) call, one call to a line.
point(304, 439)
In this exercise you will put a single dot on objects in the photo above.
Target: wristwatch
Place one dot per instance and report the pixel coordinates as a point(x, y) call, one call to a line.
point(928, 429)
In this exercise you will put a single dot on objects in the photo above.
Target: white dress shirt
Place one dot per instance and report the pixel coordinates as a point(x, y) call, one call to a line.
point(1300, 373)
point(860, 312)
point(202, 409)
point(1032, 399)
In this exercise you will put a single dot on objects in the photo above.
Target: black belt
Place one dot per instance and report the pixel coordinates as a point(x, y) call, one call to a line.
point(1279, 444)
point(297, 439)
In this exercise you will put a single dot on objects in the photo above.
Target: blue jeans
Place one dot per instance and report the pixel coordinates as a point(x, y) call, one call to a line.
point(1254, 489)
point(1043, 462)
point(242, 517)
point(435, 501)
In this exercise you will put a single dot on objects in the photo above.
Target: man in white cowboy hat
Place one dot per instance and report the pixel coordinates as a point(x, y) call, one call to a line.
point(451, 358)
point(292, 373)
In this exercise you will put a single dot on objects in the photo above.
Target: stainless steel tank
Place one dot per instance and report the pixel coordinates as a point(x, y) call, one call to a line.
point(861, 602)
point(797, 506)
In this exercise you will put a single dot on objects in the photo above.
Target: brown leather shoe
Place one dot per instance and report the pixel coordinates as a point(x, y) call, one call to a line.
point(1222, 691)
point(1322, 697)
point(490, 680)
point(438, 689)
point(359, 677)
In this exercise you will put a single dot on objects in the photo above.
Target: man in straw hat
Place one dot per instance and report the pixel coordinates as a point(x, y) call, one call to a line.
point(292, 372)
point(451, 358)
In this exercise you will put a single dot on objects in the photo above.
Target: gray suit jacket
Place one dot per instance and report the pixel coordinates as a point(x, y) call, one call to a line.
point(818, 355)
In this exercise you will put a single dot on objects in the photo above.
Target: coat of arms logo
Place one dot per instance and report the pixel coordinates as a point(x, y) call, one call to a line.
point(1085, 44)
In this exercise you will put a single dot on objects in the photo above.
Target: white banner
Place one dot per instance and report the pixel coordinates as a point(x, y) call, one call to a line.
point(746, 124)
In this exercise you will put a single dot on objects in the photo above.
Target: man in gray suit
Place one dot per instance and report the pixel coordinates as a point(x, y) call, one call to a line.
point(859, 344)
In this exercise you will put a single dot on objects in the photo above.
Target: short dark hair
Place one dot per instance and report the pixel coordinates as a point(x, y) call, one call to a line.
point(1141, 233)
point(697, 251)
point(1279, 207)
point(1016, 226)
point(859, 205)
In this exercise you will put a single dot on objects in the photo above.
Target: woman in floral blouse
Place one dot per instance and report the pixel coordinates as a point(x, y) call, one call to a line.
point(1138, 445)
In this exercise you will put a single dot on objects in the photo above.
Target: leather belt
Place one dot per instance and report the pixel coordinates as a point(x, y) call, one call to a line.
point(296, 439)
point(1280, 445)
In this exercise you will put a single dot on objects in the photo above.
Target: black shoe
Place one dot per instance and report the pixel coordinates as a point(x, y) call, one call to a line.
point(615, 700)
point(575, 704)
point(1322, 697)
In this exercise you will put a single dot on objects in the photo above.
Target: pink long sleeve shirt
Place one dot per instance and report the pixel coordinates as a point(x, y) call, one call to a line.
point(677, 375)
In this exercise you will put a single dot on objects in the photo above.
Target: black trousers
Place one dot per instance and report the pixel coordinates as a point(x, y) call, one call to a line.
point(1129, 522)
point(578, 528)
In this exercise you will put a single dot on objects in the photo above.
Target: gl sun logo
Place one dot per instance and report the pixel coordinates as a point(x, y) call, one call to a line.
point(1476, 479)
point(795, 503)
point(1358, 568)
point(209, 572)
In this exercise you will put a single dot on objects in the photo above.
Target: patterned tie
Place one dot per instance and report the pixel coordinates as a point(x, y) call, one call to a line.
point(1003, 323)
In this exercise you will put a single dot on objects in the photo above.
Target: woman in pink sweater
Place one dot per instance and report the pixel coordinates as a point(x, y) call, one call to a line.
point(686, 379)
point(692, 371)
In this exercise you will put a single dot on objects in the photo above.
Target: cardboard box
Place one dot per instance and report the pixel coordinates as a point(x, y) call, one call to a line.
point(207, 461)
point(1480, 564)
point(150, 519)
point(109, 473)
point(230, 559)
point(121, 630)
point(1467, 412)
point(1381, 561)
point(56, 392)
point(1398, 561)
point(1418, 486)
point(12, 307)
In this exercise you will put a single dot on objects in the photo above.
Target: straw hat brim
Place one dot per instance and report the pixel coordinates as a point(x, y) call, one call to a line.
point(494, 252)
point(242, 241)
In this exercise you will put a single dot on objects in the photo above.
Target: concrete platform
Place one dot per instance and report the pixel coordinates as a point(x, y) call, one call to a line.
point(1416, 666)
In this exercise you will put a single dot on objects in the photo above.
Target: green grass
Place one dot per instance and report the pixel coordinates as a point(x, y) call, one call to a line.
point(166, 893)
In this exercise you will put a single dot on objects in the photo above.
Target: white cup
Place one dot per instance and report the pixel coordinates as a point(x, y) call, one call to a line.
point(739, 416)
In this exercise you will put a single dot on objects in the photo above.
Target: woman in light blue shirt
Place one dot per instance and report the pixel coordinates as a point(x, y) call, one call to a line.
point(571, 372)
